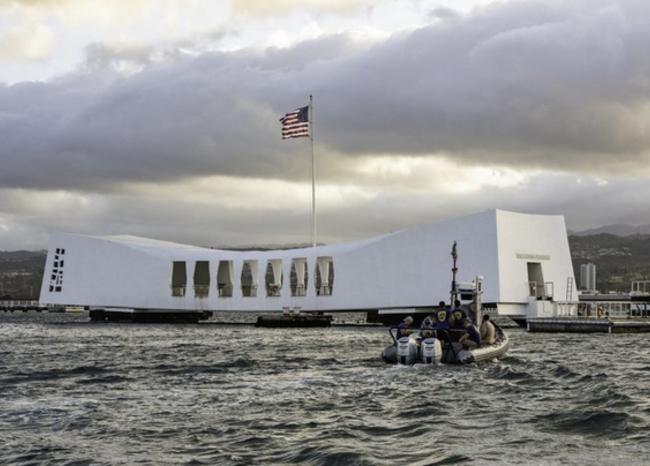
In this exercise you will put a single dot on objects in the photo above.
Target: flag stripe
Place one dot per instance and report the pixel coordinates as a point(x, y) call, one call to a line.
point(291, 133)
point(295, 130)
point(295, 124)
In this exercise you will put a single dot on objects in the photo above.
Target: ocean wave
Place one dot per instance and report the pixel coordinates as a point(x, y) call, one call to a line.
point(138, 394)
point(597, 423)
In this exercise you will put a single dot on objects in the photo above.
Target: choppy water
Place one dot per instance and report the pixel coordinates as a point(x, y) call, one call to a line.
point(72, 392)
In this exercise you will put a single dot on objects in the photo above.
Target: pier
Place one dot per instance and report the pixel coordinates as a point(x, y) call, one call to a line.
point(587, 325)
point(12, 305)
point(25, 305)
point(596, 317)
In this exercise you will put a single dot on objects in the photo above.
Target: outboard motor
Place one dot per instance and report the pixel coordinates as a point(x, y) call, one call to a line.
point(431, 350)
point(389, 355)
point(407, 351)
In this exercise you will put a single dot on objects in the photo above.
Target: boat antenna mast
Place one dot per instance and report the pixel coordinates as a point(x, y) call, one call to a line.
point(454, 269)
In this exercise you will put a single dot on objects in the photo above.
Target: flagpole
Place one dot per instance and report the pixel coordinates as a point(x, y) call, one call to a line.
point(313, 170)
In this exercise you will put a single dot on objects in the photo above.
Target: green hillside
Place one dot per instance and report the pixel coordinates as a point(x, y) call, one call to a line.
point(21, 273)
point(619, 260)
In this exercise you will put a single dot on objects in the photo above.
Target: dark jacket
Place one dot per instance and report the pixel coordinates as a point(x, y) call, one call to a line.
point(457, 323)
point(444, 323)
point(401, 327)
point(473, 334)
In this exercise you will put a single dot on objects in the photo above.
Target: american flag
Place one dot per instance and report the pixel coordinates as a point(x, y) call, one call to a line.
point(295, 124)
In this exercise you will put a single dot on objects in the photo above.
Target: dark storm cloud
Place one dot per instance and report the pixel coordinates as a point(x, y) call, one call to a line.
point(217, 113)
point(513, 84)
point(562, 85)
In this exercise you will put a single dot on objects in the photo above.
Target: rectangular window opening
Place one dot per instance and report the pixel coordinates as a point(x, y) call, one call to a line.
point(298, 278)
point(179, 278)
point(249, 279)
point(324, 276)
point(225, 278)
point(202, 279)
point(273, 278)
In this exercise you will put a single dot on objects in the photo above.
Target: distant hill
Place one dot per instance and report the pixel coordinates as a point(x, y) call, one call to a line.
point(619, 259)
point(21, 273)
point(20, 255)
point(617, 229)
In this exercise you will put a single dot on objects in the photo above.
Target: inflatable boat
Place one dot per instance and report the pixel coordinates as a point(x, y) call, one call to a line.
point(441, 347)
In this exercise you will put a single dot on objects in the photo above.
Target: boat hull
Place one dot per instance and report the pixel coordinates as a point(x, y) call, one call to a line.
point(454, 355)
point(485, 353)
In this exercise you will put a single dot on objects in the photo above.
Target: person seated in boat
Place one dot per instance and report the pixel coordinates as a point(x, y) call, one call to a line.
point(428, 326)
point(471, 312)
point(456, 322)
point(442, 319)
point(471, 339)
point(428, 322)
point(464, 308)
point(457, 318)
point(405, 328)
point(488, 331)
point(442, 325)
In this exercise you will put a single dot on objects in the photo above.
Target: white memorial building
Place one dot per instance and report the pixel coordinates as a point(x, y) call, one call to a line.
point(523, 258)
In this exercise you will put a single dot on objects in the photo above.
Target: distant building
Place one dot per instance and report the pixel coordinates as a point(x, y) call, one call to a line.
point(588, 277)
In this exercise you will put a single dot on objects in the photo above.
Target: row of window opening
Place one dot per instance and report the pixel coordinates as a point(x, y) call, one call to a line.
point(248, 280)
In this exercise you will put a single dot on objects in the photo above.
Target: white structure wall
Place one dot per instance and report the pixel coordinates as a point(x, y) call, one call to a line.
point(405, 269)
point(532, 239)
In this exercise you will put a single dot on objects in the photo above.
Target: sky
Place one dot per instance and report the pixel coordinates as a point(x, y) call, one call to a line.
point(159, 118)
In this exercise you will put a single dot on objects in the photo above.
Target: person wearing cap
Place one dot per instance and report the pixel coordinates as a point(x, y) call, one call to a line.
point(442, 326)
point(404, 329)
point(441, 317)
point(458, 315)
point(427, 326)
point(471, 339)
point(430, 321)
